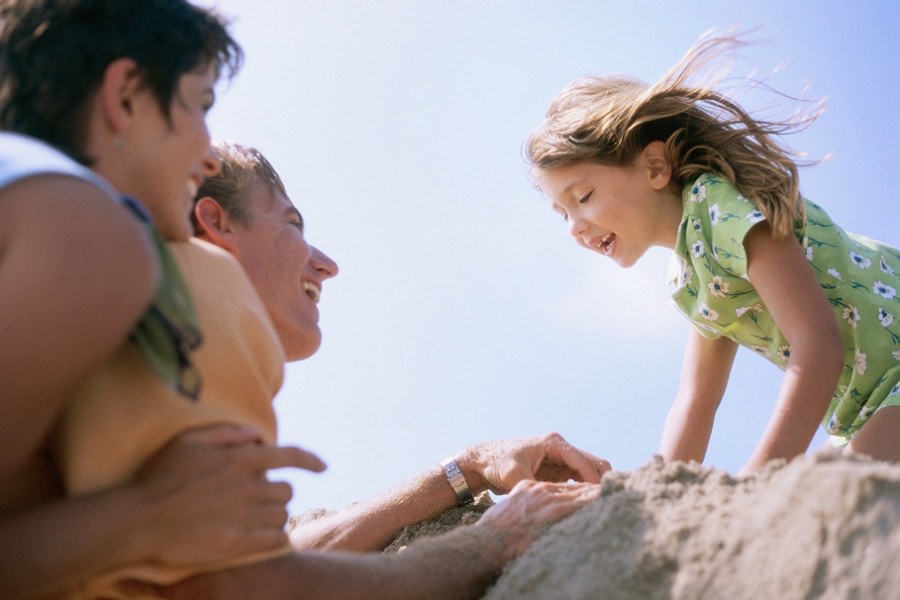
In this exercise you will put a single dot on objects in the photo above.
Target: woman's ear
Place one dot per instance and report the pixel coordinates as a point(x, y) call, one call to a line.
point(121, 81)
point(659, 170)
point(214, 225)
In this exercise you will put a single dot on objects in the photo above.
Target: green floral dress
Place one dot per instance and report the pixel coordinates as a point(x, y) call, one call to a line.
point(860, 278)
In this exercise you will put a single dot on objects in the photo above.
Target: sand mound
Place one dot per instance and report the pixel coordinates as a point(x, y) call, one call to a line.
point(820, 527)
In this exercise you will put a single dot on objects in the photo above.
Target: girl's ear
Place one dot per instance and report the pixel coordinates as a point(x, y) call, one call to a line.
point(659, 170)
point(121, 81)
point(214, 225)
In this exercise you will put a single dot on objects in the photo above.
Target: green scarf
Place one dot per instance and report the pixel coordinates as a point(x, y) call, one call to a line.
point(169, 331)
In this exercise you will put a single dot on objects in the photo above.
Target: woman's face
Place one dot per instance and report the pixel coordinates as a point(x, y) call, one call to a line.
point(168, 159)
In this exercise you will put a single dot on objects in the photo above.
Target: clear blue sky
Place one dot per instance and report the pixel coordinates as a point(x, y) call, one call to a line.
point(463, 311)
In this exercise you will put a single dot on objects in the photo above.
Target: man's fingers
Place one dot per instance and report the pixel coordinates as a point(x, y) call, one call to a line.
point(583, 466)
point(586, 467)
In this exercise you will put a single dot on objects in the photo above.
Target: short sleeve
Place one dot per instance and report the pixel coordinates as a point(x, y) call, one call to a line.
point(721, 216)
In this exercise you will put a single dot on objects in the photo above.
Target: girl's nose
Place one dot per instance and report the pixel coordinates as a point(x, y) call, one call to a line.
point(576, 227)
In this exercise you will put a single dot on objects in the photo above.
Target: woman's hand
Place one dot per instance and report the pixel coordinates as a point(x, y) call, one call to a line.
point(208, 497)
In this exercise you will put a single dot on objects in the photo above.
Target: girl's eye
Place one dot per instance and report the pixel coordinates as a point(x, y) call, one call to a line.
point(585, 198)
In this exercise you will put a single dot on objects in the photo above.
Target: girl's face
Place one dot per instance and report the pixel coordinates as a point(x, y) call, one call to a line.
point(618, 212)
point(169, 159)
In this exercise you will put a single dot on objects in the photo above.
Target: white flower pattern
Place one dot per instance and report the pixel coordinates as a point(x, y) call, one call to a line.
point(860, 261)
point(884, 290)
point(714, 289)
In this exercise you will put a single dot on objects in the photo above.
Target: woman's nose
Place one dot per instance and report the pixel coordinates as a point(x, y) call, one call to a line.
point(212, 166)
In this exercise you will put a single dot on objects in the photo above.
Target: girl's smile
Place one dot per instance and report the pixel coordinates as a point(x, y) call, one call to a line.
point(618, 212)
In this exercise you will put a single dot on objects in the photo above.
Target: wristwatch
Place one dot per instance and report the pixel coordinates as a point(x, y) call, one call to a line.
point(457, 481)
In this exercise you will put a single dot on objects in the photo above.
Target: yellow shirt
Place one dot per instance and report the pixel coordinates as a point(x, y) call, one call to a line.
point(125, 413)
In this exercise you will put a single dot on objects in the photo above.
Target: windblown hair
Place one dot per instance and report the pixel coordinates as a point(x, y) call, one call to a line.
point(609, 120)
point(243, 168)
point(54, 53)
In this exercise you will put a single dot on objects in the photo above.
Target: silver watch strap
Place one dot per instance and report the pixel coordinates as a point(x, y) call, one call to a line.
point(457, 481)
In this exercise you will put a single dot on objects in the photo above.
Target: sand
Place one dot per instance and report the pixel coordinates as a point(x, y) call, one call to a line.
point(825, 526)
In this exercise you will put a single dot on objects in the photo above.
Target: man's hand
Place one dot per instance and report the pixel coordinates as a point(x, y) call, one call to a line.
point(530, 508)
point(499, 466)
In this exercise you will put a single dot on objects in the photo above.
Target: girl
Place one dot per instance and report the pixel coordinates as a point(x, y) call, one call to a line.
point(679, 165)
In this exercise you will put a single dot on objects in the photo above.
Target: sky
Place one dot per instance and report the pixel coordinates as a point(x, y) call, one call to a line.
point(463, 311)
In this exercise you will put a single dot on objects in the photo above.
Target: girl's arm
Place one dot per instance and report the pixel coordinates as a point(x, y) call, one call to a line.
point(704, 375)
point(781, 274)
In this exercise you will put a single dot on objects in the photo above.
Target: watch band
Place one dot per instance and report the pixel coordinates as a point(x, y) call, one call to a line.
point(457, 481)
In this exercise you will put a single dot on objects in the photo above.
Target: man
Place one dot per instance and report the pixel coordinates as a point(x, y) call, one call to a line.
point(246, 210)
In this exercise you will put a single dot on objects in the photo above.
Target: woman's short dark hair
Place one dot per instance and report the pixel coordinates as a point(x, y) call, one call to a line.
point(53, 55)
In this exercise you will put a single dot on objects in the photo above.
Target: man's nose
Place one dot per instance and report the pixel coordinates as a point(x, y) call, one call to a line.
point(322, 263)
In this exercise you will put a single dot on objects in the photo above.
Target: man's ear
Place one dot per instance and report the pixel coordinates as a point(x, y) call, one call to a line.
point(659, 170)
point(214, 225)
point(121, 81)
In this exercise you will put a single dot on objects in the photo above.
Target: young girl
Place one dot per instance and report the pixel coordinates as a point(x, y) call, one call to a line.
point(679, 165)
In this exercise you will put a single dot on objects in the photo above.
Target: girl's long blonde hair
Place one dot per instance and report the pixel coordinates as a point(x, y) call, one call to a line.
point(610, 119)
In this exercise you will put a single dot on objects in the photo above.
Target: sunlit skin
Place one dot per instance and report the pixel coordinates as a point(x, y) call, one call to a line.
point(291, 284)
point(619, 212)
point(160, 161)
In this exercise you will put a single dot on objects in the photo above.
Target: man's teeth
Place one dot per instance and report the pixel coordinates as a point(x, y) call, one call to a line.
point(192, 187)
point(312, 291)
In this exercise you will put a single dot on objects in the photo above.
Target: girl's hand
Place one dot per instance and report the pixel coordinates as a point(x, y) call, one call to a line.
point(207, 498)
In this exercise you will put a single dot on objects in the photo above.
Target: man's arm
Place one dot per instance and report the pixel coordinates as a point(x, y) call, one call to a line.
point(456, 565)
point(497, 466)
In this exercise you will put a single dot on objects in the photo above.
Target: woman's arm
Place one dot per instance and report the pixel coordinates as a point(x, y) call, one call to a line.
point(704, 376)
point(498, 466)
point(76, 273)
point(204, 497)
point(786, 284)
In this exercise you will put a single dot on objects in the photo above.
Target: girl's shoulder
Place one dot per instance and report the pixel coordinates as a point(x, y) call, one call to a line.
point(713, 201)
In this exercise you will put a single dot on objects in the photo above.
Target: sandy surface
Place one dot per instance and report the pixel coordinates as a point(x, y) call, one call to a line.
point(820, 527)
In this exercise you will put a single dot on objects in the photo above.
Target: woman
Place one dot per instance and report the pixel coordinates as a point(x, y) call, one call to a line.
point(100, 100)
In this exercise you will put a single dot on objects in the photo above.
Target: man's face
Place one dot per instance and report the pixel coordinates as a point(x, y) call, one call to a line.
point(287, 272)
